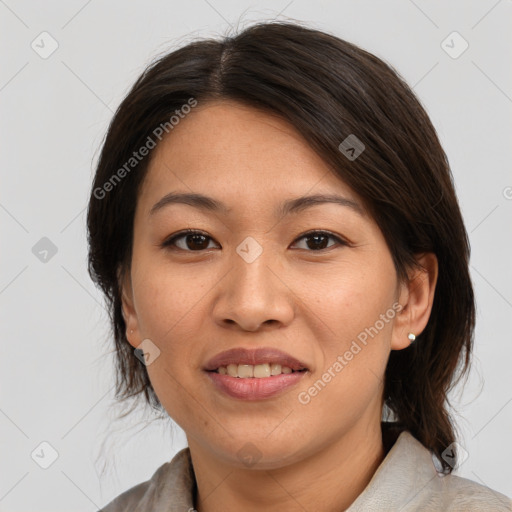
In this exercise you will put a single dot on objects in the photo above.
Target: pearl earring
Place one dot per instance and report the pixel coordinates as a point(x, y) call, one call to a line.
point(411, 337)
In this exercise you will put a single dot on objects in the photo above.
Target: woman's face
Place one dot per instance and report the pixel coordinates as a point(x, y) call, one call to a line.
point(254, 280)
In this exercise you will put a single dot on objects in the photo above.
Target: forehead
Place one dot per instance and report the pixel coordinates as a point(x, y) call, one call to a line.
point(240, 155)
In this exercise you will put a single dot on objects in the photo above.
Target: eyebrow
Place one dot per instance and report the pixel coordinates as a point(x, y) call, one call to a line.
point(290, 206)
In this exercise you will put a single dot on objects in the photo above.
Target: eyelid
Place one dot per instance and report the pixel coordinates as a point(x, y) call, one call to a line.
point(168, 242)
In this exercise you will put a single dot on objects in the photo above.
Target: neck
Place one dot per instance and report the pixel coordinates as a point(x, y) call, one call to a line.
point(330, 480)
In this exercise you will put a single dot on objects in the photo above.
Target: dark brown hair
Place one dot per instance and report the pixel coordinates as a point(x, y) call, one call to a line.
point(327, 89)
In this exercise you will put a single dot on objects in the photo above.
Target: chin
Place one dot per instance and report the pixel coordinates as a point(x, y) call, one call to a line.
point(258, 452)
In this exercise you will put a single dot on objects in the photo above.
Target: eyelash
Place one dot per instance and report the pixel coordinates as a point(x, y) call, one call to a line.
point(169, 243)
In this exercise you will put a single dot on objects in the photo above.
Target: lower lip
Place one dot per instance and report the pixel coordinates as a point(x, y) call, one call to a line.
point(254, 388)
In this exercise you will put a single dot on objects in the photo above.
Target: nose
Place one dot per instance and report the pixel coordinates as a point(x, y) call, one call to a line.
point(254, 295)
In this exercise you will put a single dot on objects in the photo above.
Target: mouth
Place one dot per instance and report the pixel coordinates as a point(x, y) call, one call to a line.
point(254, 374)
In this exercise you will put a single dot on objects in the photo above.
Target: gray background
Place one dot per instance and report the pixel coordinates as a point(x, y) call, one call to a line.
point(56, 366)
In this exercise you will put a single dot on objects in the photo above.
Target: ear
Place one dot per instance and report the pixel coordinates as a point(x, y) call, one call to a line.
point(416, 298)
point(128, 308)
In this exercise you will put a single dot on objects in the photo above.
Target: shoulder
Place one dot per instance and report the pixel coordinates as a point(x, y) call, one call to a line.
point(455, 493)
point(172, 483)
point(452, 493)
point(465, 494)
point(131, 499)
point(408, 480)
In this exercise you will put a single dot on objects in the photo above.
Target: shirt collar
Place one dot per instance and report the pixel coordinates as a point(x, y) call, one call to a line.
point(407, 468)
point(405, 471)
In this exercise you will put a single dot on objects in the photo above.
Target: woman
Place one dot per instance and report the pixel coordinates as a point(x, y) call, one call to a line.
point(274, 225)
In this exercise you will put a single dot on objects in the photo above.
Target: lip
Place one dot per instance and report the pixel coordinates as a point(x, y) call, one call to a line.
point(262, 355)
point(254, 388)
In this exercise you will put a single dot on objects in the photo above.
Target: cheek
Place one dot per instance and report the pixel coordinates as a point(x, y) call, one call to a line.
point(350, 299)
point(350, 382)
point(169, 312)
point(167, 301)
point(357, 315)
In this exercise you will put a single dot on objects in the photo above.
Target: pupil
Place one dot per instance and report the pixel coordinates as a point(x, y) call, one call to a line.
point(316, 237)
point(195, 237)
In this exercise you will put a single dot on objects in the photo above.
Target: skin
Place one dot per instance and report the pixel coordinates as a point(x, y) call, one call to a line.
point(193, 304)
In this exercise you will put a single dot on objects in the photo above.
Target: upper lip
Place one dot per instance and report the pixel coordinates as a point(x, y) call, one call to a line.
point(242, 355)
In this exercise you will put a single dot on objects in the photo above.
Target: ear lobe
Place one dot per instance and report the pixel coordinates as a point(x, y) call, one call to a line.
point(128, 309)
point(416, 298)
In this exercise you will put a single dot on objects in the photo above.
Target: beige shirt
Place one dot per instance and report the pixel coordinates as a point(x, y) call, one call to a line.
point(405, 481)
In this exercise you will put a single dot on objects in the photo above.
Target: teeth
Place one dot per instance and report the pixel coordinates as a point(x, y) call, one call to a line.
point(245, 371)
point(232, 370)
point(258, 371)
point(275, 369)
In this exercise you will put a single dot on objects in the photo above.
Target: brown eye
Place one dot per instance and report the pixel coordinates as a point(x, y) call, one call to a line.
point(190, 240)
point(318, 240)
